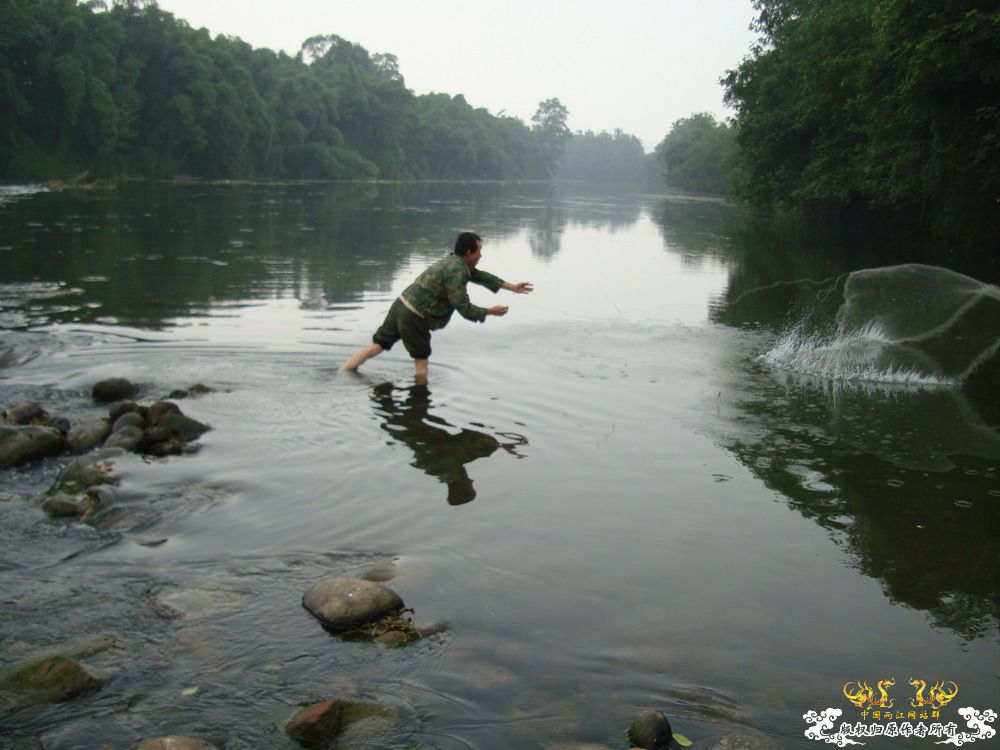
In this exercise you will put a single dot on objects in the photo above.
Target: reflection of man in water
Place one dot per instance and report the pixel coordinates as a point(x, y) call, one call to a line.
point(437, 451)
point(427, 304)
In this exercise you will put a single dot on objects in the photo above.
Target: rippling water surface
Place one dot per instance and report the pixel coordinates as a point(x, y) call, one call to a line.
point(612, 497)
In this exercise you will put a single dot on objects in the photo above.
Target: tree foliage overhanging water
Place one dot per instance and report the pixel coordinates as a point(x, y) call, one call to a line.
point(876, 104)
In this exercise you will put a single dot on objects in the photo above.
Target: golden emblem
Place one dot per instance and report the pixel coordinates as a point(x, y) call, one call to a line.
point(862, 695)
point(938, 695)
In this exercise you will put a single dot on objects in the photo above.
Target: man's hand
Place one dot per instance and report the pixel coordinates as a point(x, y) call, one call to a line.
point(498, 310)
point(521, 287)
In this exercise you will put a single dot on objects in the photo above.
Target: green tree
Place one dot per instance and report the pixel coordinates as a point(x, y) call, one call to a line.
point(604, 157)
point(699, 155)
point(131, 90)
point(885, 105)
point(549, 126)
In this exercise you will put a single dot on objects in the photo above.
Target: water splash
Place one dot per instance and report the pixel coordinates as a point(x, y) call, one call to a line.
point(867, 355)
point(910, 324)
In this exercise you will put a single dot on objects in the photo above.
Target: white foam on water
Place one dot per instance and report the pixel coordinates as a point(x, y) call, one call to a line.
point(864, 356)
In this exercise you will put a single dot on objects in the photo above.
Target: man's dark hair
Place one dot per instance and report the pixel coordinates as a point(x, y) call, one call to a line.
point(466, 242)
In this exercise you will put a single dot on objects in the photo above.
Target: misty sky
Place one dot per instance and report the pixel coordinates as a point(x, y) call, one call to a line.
point(637, 65)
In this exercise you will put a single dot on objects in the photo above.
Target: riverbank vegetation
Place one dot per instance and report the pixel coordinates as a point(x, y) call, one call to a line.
point(130, 90)
point(884, 107)
point(862, 111)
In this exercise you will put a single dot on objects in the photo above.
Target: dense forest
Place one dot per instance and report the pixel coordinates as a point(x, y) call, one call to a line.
point(887, 108)
point(884, 107)
point(130, 90)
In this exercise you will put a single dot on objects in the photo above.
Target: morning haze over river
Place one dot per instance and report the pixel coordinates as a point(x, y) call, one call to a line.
point(703, 468)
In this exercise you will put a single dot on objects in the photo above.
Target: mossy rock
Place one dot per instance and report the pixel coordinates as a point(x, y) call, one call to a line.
point(53, 679)
point(88, 471)
point(113, 389)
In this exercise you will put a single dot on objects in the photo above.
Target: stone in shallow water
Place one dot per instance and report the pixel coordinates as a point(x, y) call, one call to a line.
point(182, 427)
point(86, 434)
point(345, 603)
point(650, 730)
point(319, 723)
point(127, 438)
point(160, 409)
point(19, 445)
point(65, 506)
point(113, 389)
point(88, 471)
point(174, 742)
point(52, 680)
point(129, 419)
point(26, 413)
point(124, 407)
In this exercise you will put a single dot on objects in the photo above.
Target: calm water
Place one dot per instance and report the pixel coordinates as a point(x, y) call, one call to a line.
point(664, 480)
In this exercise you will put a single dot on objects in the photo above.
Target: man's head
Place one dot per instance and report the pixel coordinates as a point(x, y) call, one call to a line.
point(467, 242)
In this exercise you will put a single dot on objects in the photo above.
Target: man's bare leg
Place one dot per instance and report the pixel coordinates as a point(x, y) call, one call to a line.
point(421, 367)
point(361, 356)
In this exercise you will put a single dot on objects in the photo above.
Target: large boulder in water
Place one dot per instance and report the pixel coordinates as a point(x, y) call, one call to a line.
point(21, 444)
point(345, 603)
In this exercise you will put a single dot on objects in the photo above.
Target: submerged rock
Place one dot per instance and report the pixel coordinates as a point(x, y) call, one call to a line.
point(650, 730)
point(113, 389)
point(23, 444)
point(346, 603)
point(737, 742)
point(198, 389)
point(318, 724)
point(173, 742)
point(52, 680)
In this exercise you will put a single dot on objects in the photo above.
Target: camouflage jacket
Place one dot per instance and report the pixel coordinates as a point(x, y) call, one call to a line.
point(440, 290)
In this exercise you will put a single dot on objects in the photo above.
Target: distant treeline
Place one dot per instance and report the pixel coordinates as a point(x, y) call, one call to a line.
point(130, 90)
point(884, 106)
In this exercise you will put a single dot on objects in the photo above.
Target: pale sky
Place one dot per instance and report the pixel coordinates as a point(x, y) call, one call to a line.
point(637, 65)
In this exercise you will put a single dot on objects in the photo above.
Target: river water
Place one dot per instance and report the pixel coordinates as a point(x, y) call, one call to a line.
point(667, 479)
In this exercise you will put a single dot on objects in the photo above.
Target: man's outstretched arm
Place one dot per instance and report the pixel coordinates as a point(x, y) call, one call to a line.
point(521, 287)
